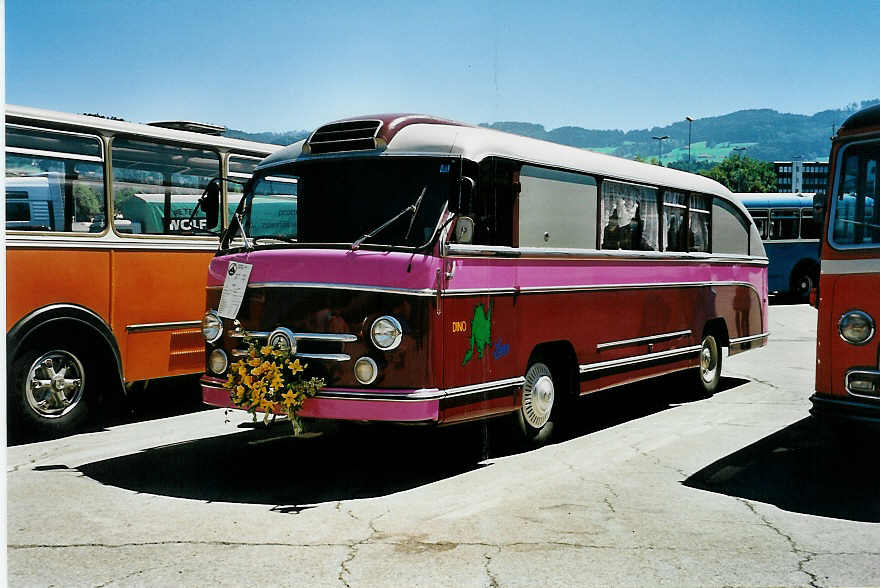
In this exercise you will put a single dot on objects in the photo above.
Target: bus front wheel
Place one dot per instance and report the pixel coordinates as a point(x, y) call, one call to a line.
point(50, 394)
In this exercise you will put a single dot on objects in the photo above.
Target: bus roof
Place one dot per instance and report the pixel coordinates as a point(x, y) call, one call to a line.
point(867, 117)
point(426, 135)
point(775, 199)
point(67, 121)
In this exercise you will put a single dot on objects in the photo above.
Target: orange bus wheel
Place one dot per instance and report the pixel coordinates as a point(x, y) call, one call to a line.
point(51, 389)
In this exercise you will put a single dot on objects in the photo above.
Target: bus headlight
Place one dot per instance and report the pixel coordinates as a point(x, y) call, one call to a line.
point(212, 326)
point(217, 361)
point(283, 339)
point(856, 327)
point(386, 333)
point(366, 370)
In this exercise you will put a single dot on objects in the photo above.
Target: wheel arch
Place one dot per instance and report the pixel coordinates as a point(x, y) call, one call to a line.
point(562, 359)
point(33, 323)
point(805, 265)
point(718, 327)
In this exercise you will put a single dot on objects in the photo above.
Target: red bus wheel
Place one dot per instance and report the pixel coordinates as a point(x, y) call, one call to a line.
point(540, 399)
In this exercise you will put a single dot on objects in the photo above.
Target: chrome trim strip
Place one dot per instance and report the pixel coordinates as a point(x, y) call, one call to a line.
point(741, 340)
point(456, 249)
point(592, 367)
point(107, 241)
point(324, 356)
point(235, 334)
point(331, 337)
point(161, 326)
point(472, 291)
point(594, 287)
point(358, 287)
point(875, 373)
point(54, 154)
point(484, 387)
point(660, 337)
point(376, 397)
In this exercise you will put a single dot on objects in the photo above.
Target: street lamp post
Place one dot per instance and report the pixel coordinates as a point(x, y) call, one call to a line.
point(690, 124)
point(660, 148)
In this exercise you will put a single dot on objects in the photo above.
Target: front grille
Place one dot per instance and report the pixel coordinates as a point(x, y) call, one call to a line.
point(356, 135)
point(321, 346)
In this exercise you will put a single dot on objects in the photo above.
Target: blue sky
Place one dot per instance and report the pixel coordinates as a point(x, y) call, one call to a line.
point(288, 65)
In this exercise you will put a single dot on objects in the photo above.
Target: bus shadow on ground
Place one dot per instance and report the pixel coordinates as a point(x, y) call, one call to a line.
point(268, 466)
point(158, 400)
point(802, 468)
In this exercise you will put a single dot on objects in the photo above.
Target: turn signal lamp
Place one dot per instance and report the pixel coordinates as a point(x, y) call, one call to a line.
point(217, 361)
point(366, 370)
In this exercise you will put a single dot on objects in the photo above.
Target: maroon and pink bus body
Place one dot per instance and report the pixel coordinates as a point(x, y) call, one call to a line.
point(477, 316)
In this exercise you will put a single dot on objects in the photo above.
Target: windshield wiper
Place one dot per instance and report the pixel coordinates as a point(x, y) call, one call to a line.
point(412, 219)
point(412, 208)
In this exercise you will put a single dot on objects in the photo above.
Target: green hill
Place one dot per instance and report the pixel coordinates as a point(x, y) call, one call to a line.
point(763, 134)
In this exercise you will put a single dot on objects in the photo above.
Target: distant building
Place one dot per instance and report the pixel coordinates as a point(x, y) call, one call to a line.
point(801, 176)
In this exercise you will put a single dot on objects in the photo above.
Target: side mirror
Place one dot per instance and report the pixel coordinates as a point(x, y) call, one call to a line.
point(465, 193)
point(210, 203)
point(464, 230)
point(819, 201)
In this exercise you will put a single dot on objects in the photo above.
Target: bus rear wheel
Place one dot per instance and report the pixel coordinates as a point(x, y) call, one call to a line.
point(540, 400)
point(709, 372)
point(50, 394)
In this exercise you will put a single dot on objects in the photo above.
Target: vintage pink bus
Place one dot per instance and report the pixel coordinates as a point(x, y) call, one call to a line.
point(438, 272)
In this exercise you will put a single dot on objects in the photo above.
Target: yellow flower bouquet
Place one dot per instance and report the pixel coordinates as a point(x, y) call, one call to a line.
point(268, 380)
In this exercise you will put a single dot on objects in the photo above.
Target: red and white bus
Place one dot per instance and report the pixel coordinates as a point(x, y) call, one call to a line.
point(847, 346)
point(439, 272)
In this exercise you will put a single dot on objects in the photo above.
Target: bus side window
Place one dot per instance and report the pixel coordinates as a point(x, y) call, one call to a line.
point(699, 223)
point(762, 221)
point(810, 229)
point(674, 220)
point(784, 223)
point(61, 189)
point(730, 229)
point(629, 217)
point(556, 209)
point(156, 186)
point(493, 204)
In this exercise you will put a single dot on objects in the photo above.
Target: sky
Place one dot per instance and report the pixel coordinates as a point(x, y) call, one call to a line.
point(273, 65)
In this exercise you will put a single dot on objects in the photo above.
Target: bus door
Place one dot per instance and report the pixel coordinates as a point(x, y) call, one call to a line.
point(159, 277)
point(478, 318)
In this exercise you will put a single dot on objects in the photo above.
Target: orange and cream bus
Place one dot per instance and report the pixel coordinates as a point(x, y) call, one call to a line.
point(106, 261)
point(847, 344)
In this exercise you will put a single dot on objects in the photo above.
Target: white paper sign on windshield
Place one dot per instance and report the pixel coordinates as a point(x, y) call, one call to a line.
point(237, 275)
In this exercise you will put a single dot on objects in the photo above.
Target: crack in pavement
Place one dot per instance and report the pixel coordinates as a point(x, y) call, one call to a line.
point(493, 581)
point(804, 555)
point(353, 547)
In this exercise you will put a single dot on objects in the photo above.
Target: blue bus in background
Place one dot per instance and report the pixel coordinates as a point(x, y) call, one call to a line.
point(791, 239)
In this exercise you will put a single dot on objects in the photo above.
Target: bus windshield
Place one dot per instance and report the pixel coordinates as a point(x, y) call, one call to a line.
point(344, 201)
point(856, 213)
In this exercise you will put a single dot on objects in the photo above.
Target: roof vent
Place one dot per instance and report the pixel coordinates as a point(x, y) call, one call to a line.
point(187, 125)
point(353, 135)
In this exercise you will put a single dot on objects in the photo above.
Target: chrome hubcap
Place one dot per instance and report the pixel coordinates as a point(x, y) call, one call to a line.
point(538, 395)
point(54, 384)
point(708, 360)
